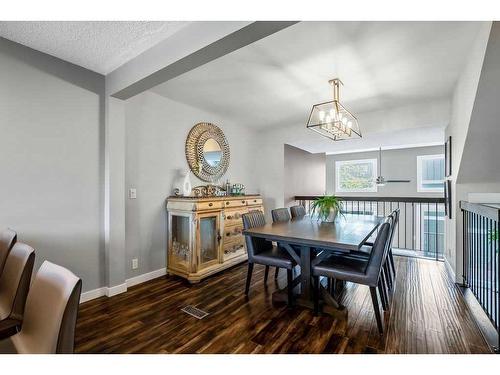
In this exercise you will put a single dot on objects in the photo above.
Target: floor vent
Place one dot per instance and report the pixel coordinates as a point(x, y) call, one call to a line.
point(193, 311)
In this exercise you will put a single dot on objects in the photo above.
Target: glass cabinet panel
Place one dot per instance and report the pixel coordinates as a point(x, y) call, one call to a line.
point(209, 240)
point(180, 247)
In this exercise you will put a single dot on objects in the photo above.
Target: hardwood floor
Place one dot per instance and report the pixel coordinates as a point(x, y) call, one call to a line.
point(428, 315)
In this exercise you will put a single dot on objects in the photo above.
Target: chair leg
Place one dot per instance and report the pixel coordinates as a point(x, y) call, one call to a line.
point(289, 277)
point(276, 272)
point(316, 294)
point(376, 307)
point(266, 273)
point(249, 278)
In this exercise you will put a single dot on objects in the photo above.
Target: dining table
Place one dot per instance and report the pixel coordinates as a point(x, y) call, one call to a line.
point(308, 241)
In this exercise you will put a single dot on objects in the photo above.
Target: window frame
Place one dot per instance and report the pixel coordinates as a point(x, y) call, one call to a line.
point(340, 163)
point(420, 188)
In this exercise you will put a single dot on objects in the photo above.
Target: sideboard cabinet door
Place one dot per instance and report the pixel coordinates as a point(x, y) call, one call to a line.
point(209, 240)
point(180, 243)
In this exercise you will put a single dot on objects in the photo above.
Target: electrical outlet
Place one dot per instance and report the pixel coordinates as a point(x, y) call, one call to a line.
point(135, 263)
point(132, 193)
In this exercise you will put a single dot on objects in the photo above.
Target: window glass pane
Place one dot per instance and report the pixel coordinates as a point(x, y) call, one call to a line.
point(431, 172)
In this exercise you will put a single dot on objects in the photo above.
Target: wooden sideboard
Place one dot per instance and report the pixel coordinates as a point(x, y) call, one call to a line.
point(205, 234)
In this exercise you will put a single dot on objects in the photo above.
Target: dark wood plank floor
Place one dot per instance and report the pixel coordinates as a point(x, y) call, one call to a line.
point(428, 315)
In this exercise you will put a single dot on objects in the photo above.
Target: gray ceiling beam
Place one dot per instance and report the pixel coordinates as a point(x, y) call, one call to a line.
point(230, 43)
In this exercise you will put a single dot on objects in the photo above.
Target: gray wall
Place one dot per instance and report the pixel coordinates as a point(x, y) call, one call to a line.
point(305, 173)
point(156, 131)
point(50, 121)
point(396, 164)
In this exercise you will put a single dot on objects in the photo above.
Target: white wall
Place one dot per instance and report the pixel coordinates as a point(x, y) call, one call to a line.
point(400, 164)
point(304, 173)
point(50, 121)
point(156, 131)
point(462, 104)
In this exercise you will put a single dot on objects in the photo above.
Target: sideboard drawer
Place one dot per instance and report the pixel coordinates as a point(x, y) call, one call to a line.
point(234, 246)
point(203, 206)
point(233, 217)
point(235, 203)
point(254, 202)
point(232, 232)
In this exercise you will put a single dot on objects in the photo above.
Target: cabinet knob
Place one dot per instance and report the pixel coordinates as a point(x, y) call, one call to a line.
point(227, 203)
point(210, 204)
point(243, 202)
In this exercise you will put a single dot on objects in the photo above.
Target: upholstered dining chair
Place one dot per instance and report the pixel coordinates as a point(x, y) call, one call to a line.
point(279, 215)
point(14, 285)
point(261, 251)
point(7, 240)
point(358, 271)
point(50, 314)
point(297, 212)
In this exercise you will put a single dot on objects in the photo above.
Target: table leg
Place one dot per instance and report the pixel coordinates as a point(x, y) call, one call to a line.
point(305, 273)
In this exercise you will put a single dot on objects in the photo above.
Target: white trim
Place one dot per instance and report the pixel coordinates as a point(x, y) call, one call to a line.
point(421, 189)
point(117, 289)
point(398, 147)
point(93, 294)
point(340, 163)
point(122, 288)
point(146, 277)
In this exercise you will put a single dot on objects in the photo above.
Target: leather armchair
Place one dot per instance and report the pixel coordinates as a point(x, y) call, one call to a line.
point(50, 315)
point(14, 286)
point(7, 239)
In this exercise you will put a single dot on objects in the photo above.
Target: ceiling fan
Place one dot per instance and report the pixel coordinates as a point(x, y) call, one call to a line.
point(380, 180)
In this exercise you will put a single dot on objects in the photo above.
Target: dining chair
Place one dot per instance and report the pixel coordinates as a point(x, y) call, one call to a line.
point(279, 215)
point(297, 212)
point(7, 239)
point(14, 286)
point(261, 251)
point(50, 315)
point(358, 271)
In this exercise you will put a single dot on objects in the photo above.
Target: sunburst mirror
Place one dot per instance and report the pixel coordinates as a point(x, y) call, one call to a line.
point(207, 152)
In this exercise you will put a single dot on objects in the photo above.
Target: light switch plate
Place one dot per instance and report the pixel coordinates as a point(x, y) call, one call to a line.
point(132, 193)
point(135, 263)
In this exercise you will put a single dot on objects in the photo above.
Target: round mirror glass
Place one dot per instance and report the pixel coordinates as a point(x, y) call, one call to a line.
point(212, 152)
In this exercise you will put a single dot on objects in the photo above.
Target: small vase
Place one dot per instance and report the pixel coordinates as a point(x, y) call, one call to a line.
point(186, 184)
point(331, 216)
point(182, 184)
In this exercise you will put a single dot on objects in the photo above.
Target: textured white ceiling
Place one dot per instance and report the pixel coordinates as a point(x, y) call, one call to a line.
point(275, 81)
point(101, 46)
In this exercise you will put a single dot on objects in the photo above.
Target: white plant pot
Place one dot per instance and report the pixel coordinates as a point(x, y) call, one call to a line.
point(183, 184)
point(331, 216)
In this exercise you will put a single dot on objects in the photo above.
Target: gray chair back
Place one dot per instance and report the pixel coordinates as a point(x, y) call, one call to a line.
point(395, 220)
point(255, 245)
point(280, 215)
point(7, 239)
point(15, 281)
point(297, 211)
point(379, 252)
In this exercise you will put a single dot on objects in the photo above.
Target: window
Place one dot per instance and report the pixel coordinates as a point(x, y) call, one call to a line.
point(430, 173)
point(356, 176)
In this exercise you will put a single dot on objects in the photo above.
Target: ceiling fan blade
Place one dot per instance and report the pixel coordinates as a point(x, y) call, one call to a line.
point(397, 180)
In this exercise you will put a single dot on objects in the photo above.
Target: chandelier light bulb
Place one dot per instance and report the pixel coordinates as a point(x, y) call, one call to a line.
point(349, 124)
point(344, 120)
point(321, 115)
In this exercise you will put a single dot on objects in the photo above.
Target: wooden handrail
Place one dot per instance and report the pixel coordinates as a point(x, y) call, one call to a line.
point(377, 199)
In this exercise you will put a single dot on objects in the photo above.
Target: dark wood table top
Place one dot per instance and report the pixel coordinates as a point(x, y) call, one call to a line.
point(348, 232)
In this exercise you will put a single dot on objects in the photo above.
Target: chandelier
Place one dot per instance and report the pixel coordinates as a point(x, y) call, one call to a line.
point(332, 119)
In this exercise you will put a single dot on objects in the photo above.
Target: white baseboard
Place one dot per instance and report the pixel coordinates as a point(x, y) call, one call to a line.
point(93, 294)
point(117, 289)
point(122, 288)
point(146, 277)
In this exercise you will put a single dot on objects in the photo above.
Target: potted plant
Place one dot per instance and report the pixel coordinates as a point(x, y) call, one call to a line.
point(327, 208)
